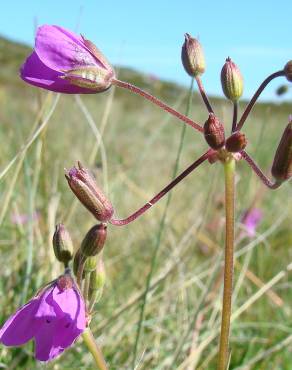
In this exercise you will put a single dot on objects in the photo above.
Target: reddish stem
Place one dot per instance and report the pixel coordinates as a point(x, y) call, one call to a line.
point(255, 97)
point(203, 95)
point(164, 191)
point(265, 180)
point(234, 119)
point(158, 102)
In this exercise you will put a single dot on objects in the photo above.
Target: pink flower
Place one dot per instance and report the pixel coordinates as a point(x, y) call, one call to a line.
point(251, 219)
point(67, 63)
point(54, 319)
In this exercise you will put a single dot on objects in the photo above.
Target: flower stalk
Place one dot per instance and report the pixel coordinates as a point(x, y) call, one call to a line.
point(229, 171)
point(159, 103)
point(94, 349)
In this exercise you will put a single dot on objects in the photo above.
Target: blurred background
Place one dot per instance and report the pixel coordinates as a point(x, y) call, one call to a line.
point(42, 132)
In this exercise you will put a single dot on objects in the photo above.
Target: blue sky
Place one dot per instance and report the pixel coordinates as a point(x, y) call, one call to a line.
point(148, 35)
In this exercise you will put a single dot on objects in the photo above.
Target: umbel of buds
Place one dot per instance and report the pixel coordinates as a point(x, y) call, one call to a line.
point(94, 240)
point(231, 80)
point(214, 132)
point(90, 195)
point(192, 56)
point(236, 142)
point(282, 165)
point(62, 244)
point(288, 71)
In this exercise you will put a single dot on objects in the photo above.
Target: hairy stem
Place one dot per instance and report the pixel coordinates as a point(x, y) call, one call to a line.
point(143, 209)
point(265, 180)
point(158, 102)
point(203, 95)
point(255, 97)
point(94, 349)
point(229, 171)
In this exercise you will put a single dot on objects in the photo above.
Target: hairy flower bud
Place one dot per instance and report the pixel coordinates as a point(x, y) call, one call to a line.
point(192, 56)
point(231, 80)
point(288, 70)
point(214, 132)
point(94, 240)
point(90, 195)
point(282, 165)
point(97, 281)
point(236, 142)
point(62, 244)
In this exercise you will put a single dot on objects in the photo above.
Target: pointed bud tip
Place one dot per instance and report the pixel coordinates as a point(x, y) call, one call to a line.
point(192, 56)
point(231, 80)
point(90, 195)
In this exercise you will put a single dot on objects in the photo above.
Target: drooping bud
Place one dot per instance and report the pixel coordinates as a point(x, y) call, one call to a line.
point(90, 195)
point(231, 80)
point(192, 56)
point(96, 284)
point(282, 165)
point(288, 70)
point(77, 261)
point(281, 90)
point(94, 240)
point(236, 142)
point(214, 132)
point(62, 244)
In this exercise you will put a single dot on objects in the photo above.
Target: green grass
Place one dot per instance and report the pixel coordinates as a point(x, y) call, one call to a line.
point(140, 146)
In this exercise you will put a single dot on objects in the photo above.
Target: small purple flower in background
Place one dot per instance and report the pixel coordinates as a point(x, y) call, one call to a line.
point(67, 63)
point(54, 319)
point(23, 218)
point(250, 220)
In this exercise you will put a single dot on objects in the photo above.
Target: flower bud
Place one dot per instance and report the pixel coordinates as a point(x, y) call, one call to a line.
point(236, 142)
point(90, 195)
point(97, 281)
point(79, 259)
point(94, 240)
point(192, 56)
point(231, 80)
point(214, 132)
point(288, 70)
point(282, 165)
point(62, 244)
point(90, 264)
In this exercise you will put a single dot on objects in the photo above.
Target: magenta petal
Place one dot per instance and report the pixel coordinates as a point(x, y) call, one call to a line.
point(21, 326)
point(70, 304)
point(36, 73)
point(44, 348)
point(60, 49)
